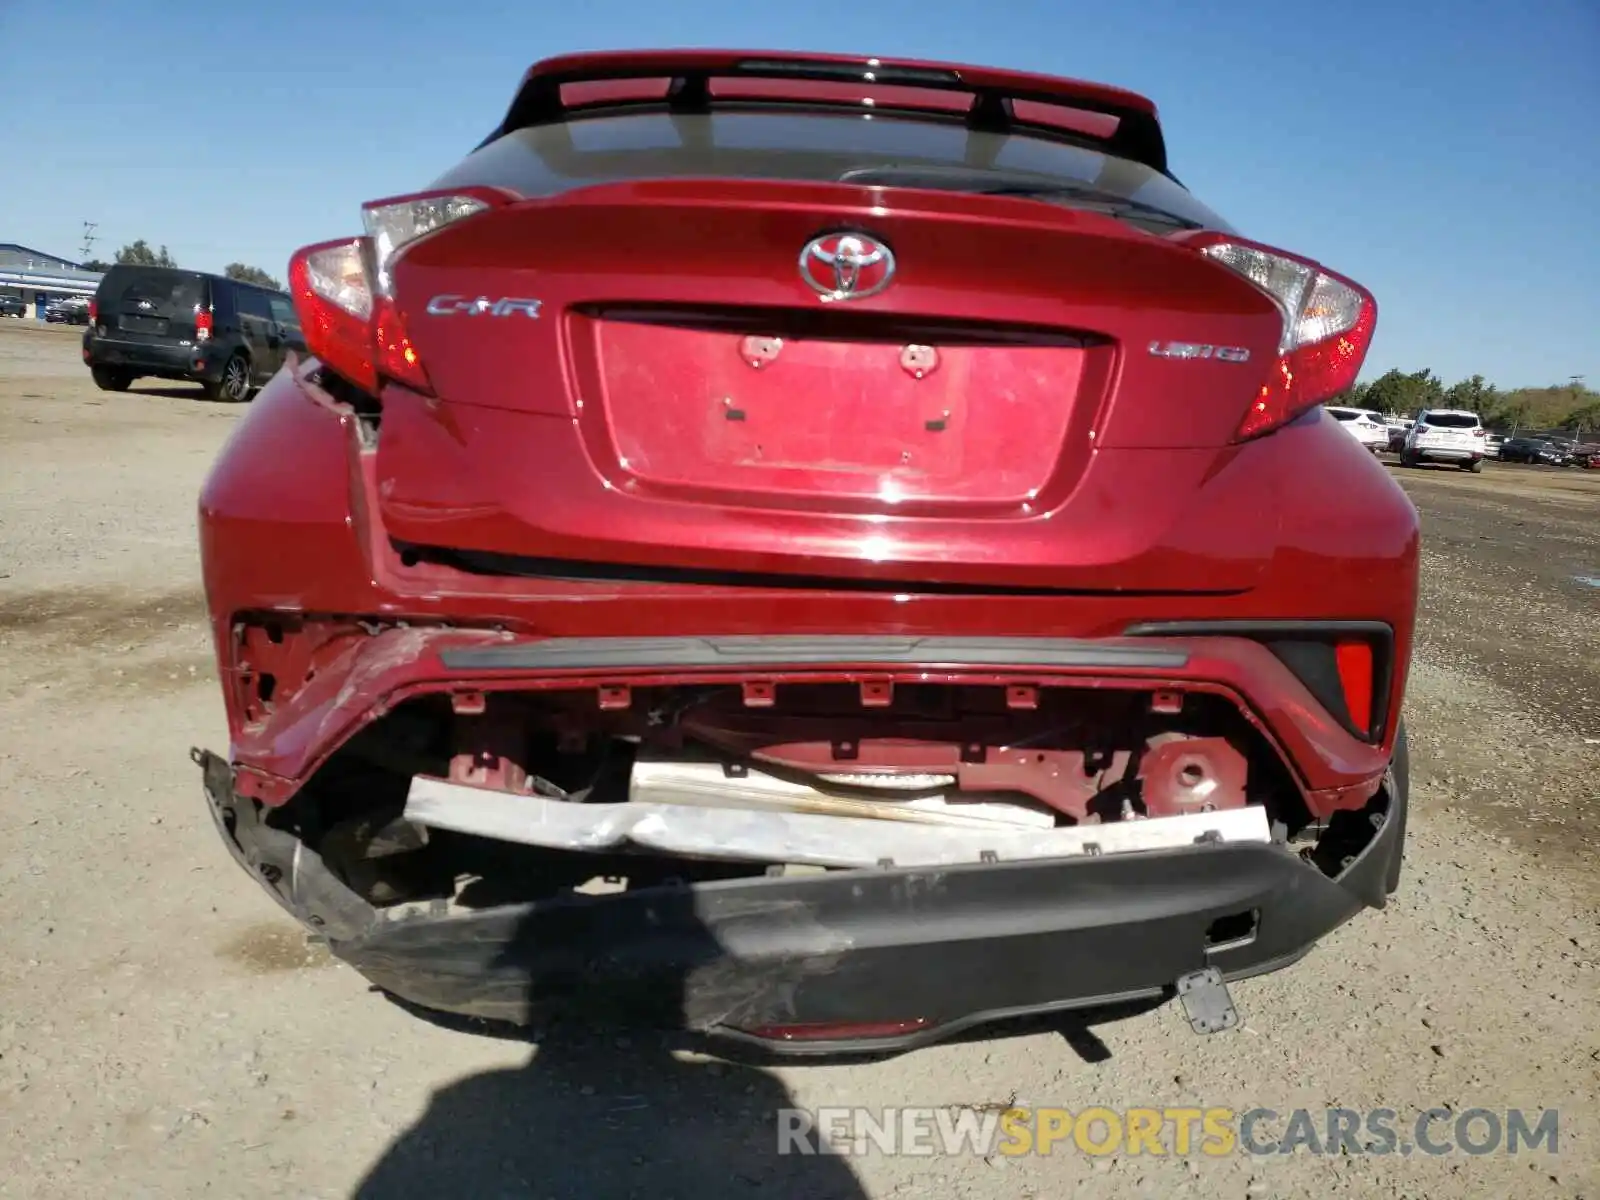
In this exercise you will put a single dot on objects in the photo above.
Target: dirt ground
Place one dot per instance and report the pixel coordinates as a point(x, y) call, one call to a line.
point(165, 1031)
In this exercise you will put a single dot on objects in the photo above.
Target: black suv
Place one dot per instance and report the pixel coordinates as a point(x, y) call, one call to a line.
point(13, 306)
point(168, 323)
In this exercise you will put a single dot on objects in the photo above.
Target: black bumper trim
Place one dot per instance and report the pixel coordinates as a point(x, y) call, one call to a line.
point(957, 947)
point(623, 653)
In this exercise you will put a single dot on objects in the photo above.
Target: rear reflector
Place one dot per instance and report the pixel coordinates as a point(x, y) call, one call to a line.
point(1354, 659)
point(1328, 323)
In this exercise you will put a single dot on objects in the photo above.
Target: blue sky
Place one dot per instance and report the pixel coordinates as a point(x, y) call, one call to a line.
point(1443, 152)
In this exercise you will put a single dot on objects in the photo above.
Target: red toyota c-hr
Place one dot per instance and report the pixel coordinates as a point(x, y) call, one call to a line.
point(820, 550)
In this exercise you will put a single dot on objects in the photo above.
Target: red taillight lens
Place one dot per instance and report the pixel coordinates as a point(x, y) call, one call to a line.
point(1328, 323)
point(344, 291)
point(202, 324)
point(94, 311)
point(329, 285)
point(1355, 663)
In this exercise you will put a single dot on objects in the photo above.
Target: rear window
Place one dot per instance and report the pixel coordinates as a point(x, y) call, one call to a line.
point(545, 160)
point(158, 291)
point(1450, 421)
point(1344, 414)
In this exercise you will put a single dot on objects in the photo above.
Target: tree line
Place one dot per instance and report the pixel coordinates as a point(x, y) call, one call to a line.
point(1560, 406)
point(139, 253)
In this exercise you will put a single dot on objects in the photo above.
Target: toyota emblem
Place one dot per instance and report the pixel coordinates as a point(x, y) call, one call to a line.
point(846, 266)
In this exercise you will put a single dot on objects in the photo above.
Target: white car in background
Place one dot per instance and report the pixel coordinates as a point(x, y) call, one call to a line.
point(1366, 426)
point(1447, 435)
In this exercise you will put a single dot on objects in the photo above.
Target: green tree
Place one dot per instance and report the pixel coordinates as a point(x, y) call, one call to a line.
point(1404, 393)
point(96, 264)
point(1584, 421)
point(139, 254)
point(1355, 396)
point(1474, 395)
point(248, 274)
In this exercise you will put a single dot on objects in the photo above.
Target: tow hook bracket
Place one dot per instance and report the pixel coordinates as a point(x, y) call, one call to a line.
point(1206, 1001)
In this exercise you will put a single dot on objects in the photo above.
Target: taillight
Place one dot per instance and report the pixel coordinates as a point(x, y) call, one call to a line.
point(1327, 328)
point(331, 293)
point(202, 324)
point(1477, 433)
point(94, 311)
point(344, 290)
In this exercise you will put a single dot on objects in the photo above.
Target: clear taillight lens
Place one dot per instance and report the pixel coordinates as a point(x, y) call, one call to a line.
point(393, 225)
point(1328, 323)
point(336, 273)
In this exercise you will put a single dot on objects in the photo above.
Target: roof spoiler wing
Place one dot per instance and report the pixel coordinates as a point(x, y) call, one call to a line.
point(987, 98)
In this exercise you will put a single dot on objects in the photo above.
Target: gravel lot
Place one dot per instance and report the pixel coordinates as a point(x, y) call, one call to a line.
point(164, 1031)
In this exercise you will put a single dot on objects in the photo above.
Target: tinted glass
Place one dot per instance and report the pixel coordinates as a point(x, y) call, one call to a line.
point(1451, 421)
point(157, 291)
point(252, 303)
point(548, 159)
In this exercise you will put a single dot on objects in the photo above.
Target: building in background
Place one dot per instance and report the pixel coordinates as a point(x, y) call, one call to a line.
point(39, 278)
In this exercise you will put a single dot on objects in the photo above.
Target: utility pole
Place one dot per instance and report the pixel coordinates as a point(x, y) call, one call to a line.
point(88, 240)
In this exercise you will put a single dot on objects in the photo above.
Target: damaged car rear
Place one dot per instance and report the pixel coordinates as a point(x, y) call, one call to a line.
point(821, 551)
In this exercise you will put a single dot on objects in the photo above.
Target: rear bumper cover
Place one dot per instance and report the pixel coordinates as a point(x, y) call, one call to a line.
point(1448, 453)
point(950, 947)
point(168, 360)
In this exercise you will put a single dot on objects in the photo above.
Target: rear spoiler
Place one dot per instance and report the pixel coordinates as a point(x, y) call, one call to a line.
point(1116, 121)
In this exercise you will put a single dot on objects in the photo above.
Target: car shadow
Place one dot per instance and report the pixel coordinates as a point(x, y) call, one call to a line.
point(606, 1106)
point(180, 392)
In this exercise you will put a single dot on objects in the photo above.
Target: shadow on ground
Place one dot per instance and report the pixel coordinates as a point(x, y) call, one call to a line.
point(181, 392)
point(607, 1116)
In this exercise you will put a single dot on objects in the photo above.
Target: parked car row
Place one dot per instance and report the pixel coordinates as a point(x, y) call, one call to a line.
point(1553, 451)
point(70, 310)
point(1458, 436)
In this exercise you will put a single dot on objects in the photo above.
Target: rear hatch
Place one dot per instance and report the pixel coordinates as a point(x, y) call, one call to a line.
point(1451, 431)
point(1018, 405)
point(150, 304)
